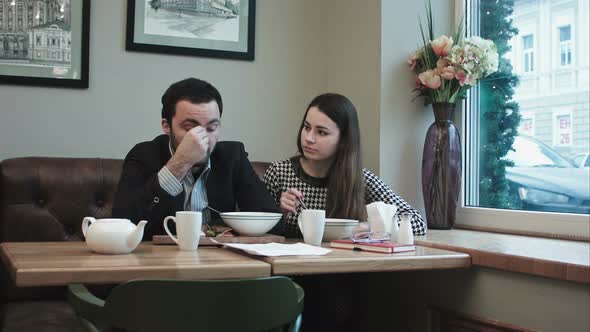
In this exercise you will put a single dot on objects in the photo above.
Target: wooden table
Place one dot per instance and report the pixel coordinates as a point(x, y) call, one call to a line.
point(62, 263)
point(345, 260)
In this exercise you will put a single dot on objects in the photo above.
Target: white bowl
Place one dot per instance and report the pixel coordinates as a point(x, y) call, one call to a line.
point(251, 223)
point(250, 215)
point(336, 229)
point(337, 221)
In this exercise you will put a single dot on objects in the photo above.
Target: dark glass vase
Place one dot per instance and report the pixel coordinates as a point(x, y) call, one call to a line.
point(441, 168)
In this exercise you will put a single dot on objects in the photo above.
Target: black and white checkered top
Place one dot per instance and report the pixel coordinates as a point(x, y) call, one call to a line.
point(285, 174)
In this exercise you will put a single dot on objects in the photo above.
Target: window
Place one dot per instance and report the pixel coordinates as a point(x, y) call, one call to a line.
point(525, 135)
point(20, 16)
point(30, 15)
point(529, 53)
point(565, 45)
point(10, 18)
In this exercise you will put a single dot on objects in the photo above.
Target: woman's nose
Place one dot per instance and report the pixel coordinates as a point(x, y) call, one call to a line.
point(310, 137)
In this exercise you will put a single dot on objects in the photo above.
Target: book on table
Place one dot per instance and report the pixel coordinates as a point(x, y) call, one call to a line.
point(384, 247)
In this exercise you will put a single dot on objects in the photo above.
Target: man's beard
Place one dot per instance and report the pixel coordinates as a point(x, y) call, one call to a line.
point(200, 163)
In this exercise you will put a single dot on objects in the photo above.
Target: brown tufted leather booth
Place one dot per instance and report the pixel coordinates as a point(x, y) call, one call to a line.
point(45, 199)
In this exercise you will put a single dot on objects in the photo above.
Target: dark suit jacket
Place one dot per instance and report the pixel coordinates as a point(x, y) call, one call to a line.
point(231, 181)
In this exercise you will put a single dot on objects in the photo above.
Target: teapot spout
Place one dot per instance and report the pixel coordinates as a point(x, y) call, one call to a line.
point(135, 237)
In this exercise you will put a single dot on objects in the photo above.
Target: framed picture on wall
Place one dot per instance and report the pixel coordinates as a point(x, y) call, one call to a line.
point(209, 28)
point(44, 43)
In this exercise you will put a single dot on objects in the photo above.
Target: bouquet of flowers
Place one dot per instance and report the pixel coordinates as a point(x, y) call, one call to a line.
point(446, 67)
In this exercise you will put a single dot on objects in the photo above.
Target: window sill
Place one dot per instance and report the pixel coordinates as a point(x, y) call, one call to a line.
point(551, 258)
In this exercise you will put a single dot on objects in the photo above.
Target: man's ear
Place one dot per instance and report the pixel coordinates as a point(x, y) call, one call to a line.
point(166, 127)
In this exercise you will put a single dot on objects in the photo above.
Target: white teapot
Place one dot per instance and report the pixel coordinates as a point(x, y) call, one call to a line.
point(112, 236)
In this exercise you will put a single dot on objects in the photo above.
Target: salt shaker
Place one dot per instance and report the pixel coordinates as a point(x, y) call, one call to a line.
point(394, 229)
point(405, 236)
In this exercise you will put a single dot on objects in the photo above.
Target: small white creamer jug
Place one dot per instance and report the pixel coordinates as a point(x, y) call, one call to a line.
point(405, 236)
point(394, 230)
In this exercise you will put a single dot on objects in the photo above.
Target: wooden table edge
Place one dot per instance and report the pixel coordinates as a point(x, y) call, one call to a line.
point(451, 261)
point(61, 277)
point(9, 261)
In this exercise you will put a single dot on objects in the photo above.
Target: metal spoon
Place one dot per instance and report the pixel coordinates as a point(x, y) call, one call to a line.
point(212, 209)
point(302, 204)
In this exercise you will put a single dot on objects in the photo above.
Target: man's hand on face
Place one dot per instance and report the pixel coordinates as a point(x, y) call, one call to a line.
point(192, 149)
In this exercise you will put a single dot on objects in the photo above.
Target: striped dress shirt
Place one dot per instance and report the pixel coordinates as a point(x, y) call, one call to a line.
point(195, 193)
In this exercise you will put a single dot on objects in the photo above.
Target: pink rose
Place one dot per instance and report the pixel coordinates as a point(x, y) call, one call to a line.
point(461, 76)
point(419, 84)
point(430, 79)
point(441, 63)
point(448, 73)
point(442, 45)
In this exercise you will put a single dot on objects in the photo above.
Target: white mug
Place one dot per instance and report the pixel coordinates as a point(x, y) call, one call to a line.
point(188, 229)
point(311, 223)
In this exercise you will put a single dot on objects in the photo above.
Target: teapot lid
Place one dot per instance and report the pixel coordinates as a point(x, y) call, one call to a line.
point(113, 220)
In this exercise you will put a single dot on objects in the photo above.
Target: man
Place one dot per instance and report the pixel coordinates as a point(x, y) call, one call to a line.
point(185, 169)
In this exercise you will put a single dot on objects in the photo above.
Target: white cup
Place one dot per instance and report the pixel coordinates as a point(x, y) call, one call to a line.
point(311, 223)
point(188, 229)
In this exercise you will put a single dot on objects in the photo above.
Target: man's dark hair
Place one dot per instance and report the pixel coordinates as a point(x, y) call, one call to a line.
point(191, 89)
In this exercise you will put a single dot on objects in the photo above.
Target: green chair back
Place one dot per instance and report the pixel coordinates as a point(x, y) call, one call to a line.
point(259, 304)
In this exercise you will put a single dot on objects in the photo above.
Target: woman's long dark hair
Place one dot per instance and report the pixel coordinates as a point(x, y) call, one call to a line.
point(346, 184)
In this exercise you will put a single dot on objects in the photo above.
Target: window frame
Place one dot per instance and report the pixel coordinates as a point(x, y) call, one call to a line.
point(566, 225)
point(569, 46)
point(528, 54)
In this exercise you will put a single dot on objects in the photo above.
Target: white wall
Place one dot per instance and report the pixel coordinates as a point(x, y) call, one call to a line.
point(264, 100)
point(352, 43)
point(403, 123)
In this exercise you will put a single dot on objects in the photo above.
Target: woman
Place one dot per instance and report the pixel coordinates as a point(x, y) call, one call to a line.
point(327, 174)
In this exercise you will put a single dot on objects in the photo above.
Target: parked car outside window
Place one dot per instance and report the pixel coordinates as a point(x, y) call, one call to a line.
point(582, 159)
point(544, 180)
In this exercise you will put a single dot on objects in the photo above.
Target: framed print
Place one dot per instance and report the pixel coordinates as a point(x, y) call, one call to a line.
point(210, 28)
point(44, 42)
